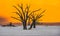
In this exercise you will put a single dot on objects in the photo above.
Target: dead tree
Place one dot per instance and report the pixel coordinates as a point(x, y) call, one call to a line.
point(23, 14)
point(35, 18)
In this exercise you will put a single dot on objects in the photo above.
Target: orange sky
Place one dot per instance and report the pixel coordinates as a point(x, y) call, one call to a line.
point(51, 15)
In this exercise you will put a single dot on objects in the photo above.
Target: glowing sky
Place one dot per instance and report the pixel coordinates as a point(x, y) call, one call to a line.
point(52, 13)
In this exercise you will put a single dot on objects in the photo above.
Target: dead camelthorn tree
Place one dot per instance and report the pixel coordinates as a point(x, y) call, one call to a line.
point(35, 18)
point(23, 14)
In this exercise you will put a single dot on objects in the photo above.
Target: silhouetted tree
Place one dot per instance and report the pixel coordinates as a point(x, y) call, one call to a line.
point(11, 24)
point(23, 14)
point(35, 18)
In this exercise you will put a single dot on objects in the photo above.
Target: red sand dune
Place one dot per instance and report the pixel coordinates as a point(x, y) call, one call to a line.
point(3, 20)
point(42, 23)
point(51, 23)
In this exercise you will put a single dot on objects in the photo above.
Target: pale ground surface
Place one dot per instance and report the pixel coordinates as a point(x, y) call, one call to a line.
point(39, 31)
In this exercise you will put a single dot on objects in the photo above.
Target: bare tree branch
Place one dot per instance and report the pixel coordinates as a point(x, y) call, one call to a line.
point(34, 11)
point(16, 8)
point(21, 17)
point(16, 18)
point(42, 12)
point(38, 17)
point(21, 7)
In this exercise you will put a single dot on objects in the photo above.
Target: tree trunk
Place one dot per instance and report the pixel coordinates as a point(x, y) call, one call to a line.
point(24, 25)
point(31, 26)
point(34, 25)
